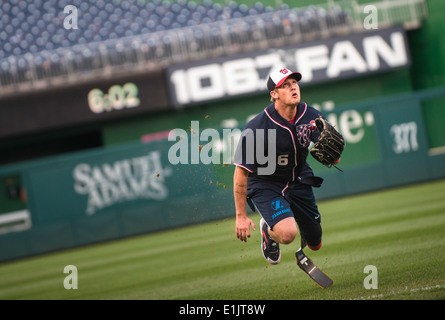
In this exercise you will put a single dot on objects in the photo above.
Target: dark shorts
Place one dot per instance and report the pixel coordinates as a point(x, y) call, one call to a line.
point(298, 203)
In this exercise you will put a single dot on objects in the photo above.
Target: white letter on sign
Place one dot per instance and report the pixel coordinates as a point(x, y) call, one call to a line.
point(206, 82)
point(394, 55)
point(240, 76)
point(311, 58)
point(345, 57)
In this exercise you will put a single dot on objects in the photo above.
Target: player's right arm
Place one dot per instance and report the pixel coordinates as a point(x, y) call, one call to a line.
point(243, 222)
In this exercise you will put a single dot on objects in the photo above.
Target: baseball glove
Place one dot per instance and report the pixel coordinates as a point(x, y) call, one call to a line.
point(327, 150)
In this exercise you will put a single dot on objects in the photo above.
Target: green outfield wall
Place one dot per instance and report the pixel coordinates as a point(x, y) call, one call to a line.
point(113, 192)
point(224, 113)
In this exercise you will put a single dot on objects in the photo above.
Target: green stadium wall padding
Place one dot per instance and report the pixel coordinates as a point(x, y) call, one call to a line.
point(128, 189)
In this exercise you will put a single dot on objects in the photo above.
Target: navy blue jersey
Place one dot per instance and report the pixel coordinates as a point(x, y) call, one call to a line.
point(291, 142)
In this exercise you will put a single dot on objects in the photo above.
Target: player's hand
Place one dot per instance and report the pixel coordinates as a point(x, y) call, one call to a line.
point(243, 224)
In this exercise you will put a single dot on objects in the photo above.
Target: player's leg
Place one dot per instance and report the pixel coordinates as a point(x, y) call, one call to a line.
point(277, 224)
point(284, 231)
point(311, 234)
point(269, 247)
point(302, 202)
point(307, 216)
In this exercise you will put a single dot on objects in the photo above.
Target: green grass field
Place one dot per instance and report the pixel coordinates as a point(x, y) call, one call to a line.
point(399, 231)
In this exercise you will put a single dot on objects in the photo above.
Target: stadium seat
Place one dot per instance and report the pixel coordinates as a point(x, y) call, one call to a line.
point(35, 29)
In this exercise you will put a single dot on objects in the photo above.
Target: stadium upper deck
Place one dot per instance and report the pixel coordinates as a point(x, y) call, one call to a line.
point(113, 36)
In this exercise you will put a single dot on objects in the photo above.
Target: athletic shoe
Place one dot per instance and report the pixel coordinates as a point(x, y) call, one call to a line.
point(269, 247)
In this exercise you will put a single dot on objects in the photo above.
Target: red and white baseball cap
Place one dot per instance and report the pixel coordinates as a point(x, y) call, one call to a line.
point(278, 76)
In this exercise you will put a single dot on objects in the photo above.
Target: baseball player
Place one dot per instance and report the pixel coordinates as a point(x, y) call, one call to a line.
point(284, 197)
